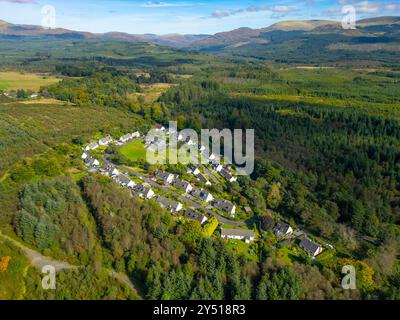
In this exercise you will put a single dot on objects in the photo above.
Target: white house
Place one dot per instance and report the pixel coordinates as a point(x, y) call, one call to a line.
point(283, 229)
point(226, 206)
point(91, 146)
point(203, 179)
point(34, 95)
point(126, 137)
point(239, 234)
point(91, 162)
point(205, 196)
point(170, 205)
point(310, 247)
point(111, 171)
point(193, 170)
point(143, 191)
point(125, 181)
point(84, 155)
point(228, 175)
point(105, 141)
point(216, 166)
point(194, 215)
point(201, 148)
point(183, 185)
point(165, 176)
point(159, 128)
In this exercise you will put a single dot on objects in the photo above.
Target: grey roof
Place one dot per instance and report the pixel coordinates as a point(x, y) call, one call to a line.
point(161, 175)
point(202, 178)
point(281, 227)
point(194, 215)
point(167, 203)
point(237, 232)
point(181, 184)
point(106, 139)
point(224, 204)
point(309, 245)
point(141, 189)
point(123, 179)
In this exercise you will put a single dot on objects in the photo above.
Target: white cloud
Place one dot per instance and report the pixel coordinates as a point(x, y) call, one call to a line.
point(283, 10)
point(160, 4)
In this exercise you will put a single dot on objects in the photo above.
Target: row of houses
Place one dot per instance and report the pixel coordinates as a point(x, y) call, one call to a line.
point(192, 169)
point(107, 140)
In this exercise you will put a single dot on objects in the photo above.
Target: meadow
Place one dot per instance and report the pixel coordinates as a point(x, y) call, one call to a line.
point(134, 151)
point(12, 80)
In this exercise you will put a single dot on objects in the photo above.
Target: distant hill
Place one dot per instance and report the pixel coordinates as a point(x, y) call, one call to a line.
point(286, 41)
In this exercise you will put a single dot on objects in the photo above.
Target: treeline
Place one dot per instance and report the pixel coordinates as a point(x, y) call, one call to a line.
point(341, 166)
point(102, 89)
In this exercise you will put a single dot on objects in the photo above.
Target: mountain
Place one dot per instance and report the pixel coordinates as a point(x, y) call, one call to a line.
point(173, 40)
point(287, 41)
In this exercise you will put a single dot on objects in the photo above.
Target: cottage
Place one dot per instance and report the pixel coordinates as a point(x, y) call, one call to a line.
point(216, 166)
point(84, 155)
point(126, 137)
point(206, 196)
point(170, 205)
point(91, 146)
point(283, 229)
point(91, 162)
point(165, 176)
point(111, 171)
point(193, 170)
point(239, 234)
point(203, 179)
point(225, 173)
point(183, 185)
point(124, 181)
point(159, 128)
point(105, 141)
point(310, 247)
point(201, 147)
point(33, 96)
point(194, 215)
point(143, 191)
point(226, 206)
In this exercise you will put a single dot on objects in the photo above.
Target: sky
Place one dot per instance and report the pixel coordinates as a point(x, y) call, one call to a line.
point(183, 16)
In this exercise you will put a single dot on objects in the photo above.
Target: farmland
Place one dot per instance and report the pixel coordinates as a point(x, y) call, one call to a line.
point(12, 80)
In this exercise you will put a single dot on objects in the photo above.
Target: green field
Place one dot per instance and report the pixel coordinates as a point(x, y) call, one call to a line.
point(134, 151)
point(11, 80)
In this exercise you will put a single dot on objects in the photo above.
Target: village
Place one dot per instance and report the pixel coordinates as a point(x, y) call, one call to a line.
point(191, 200)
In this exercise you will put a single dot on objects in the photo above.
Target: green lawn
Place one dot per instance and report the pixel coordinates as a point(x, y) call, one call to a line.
point(135, 151)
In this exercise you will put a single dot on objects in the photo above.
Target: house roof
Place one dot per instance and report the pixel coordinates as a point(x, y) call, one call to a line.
point(167, 203)
point(161, 175)
point(309, 245)
point(194, 215)
point(202, 178)
point(123, 179)
point(282, 227)
point(237, 232)
point(224, 204)
point(180, 184)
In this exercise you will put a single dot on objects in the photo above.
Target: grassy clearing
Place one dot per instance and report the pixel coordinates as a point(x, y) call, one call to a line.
point(134, 151)
point(11, 80)
point(151, 92)
point(240, 247)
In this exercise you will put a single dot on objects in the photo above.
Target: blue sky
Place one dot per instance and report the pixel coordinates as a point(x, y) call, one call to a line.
point(184, 16)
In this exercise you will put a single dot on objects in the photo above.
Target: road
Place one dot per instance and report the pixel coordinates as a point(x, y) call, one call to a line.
point(39, 261)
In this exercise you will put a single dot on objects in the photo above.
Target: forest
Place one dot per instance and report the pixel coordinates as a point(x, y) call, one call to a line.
point(327, 161)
